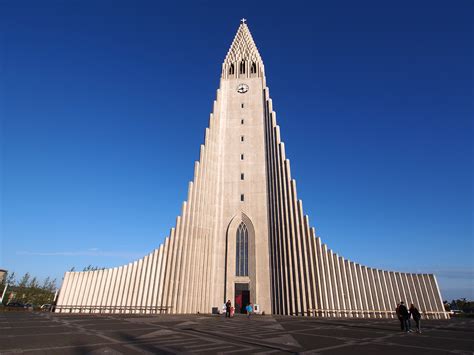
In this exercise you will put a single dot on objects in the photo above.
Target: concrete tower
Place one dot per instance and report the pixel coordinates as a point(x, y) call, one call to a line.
point(242, 234)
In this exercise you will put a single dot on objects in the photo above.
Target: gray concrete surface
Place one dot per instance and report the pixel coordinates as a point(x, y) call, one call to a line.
point(46, 333)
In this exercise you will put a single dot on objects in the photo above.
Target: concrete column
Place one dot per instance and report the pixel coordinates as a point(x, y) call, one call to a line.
point(141, 281)
point(375, 286)
point(136, 285)
point(398, 294)
point(391, 291)
point(362, 288)
point(194, 238)
point(127, 273)
point(322, 268)
point(385, 299)
point(187, 261)
point(401, 288)
point(106, 287)
point(275, 263)
point(118, 288)
point(131, 293)
point(357, 289)
point(292, 231)
point(311, 262)
point(171, 299)
point(158, 281)
point(336, 282)
point(162, 269)
point(350, 285)
point(407, 288)
point(62, 297)
point(183, 265)
point(143, 300)
point(368, 286)
point(329, 280)
point(423, 304)
point(287, 235)
point(167, 282)
point(346, 294)
point(99, 288)
point(84, 298)
point(152, 280)
point(78, 290)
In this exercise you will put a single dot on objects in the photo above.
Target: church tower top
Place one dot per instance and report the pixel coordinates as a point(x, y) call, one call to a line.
point(243, 58)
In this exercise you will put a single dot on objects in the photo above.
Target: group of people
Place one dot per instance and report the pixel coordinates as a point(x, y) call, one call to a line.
point(229, 310)
point(404, 316)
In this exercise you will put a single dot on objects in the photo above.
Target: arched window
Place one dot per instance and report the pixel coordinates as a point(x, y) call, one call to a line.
point(242, 67)
point(253, 68)
point(231, 69)
point(242, 251)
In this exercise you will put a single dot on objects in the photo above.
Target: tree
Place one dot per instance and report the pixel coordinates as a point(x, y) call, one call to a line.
point(33, 283)
point(24, 280)
point(92, 268)
point(49, 285)
point(11, 279)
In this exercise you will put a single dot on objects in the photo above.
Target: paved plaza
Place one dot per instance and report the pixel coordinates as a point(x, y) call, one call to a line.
point(47, 333)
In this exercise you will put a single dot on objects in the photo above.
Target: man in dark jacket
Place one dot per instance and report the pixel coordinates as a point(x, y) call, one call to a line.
point(228, 305)
point(406, 316)
point(416, 317)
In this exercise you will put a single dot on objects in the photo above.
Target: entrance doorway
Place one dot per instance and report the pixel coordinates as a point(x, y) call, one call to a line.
point(242, 297)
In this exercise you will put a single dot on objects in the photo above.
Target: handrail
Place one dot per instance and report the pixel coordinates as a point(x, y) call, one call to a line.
point(326, 312)
point(111, 309)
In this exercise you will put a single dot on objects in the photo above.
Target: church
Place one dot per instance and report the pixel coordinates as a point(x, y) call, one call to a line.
point(242, 234)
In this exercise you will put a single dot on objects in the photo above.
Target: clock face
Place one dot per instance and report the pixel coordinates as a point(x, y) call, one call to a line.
point(242, 88)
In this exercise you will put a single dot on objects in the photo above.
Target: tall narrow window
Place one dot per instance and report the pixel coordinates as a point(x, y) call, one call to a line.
point(242, 251)
point(241, 121)
point(241, 157)
point(242, 105)
point(242, 176)
point(241, 138)
point(231, 69)
point(242, 197)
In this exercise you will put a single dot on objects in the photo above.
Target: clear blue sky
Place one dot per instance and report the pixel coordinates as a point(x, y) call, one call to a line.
point(104, 105)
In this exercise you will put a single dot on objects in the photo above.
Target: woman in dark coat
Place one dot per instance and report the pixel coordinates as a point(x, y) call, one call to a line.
point(416, 316)
point(399, 316)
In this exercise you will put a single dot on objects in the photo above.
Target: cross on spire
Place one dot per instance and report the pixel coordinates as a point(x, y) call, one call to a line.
point(242, 21)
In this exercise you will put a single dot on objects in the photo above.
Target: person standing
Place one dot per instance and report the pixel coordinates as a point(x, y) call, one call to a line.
point(405, 315)
point(416, 317)
point(399, 316)
point(228, 305)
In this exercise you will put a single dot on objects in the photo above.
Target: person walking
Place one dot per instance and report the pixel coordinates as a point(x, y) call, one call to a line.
point(416, 317)
point(405, 315)
point(228, 305)
point(249, 309)
point(399, 316)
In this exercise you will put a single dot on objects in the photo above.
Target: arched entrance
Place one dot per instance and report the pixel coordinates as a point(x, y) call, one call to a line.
point(240, 280)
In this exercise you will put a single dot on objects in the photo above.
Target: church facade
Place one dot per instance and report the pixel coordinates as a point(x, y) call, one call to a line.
point(242, 234)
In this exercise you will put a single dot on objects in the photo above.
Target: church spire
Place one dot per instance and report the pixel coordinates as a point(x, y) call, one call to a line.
point(243, 58)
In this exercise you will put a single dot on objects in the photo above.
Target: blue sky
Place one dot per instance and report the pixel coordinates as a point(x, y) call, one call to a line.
point(104, 105)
